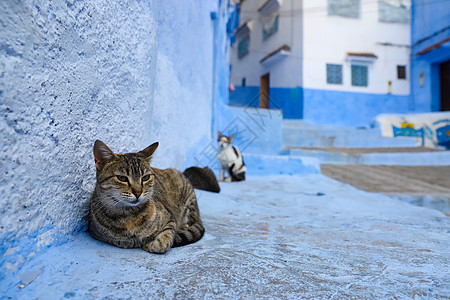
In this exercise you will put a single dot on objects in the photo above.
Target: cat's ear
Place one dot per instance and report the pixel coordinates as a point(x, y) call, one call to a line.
point(230, 138)
point(220, 134)
point(148, 152)
point(102, 154)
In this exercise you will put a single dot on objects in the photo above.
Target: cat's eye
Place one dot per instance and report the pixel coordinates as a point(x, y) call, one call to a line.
point(146, 177)
point(122, 178)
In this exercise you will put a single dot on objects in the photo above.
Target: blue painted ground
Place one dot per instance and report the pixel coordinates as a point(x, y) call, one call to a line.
point(288, 237)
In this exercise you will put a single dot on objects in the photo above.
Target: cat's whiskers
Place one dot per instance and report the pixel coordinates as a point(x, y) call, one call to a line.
point(123, 209)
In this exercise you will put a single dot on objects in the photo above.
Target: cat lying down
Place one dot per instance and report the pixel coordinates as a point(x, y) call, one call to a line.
point(137, 206)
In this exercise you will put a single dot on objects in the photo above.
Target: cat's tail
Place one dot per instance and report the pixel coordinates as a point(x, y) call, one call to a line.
point(192, 234)
point(202, 179)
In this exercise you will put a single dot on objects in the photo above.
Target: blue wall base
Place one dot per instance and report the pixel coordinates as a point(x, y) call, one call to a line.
point(290, 100)
point(350, 109)
point(325, 107)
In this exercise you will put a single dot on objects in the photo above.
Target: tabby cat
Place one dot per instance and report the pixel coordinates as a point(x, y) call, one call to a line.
point(137, 206)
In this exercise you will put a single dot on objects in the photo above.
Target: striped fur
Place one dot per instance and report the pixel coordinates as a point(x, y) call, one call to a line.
point(137, 206)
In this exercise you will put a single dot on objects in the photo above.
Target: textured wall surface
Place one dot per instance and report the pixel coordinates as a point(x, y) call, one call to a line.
point(183, 85)
point(71, 72)
point(74, 71)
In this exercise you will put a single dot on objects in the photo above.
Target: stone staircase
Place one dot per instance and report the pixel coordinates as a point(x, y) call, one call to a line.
point(398, 167)
point(301, 134)
point(343, 145)
point(272, 145)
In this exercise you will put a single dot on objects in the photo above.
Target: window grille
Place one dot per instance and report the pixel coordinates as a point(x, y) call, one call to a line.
point(243, 47)
point(344, 8)
point(270, 27)
point(401, 72)
point(360, 75)
point(334, 74)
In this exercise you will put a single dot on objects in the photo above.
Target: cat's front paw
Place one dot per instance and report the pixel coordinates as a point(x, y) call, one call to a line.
point(160, 245)
point(228, 179)
point(220, 179)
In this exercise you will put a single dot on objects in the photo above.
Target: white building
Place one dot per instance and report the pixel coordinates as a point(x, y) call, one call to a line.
point(328, 61)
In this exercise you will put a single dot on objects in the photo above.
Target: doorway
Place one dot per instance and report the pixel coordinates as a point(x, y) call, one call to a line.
point(444, 69)
point(264, 91)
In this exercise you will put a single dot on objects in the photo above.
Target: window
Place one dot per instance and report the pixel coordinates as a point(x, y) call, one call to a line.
point(270, 27)
point(344, 8)
point(401, 72)
point(334, 74)
point(360, 75)
point(243, 47)
point(394, 11)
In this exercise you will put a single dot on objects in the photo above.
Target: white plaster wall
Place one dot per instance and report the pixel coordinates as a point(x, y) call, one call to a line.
point(327, 39)
point(284, 73)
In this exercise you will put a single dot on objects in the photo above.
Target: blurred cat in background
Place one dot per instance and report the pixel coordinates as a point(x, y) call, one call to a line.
point(230, 159)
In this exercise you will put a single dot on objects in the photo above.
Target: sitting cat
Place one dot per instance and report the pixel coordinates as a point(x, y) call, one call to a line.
point(137, 206)
point(230, 159)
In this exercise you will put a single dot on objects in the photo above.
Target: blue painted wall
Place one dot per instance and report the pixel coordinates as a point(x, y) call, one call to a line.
point(222, 38)
point(329, 107)
point(350, 109)
point(183, 81)
point(430, 26)
point(71, 72)
point(245, 96)
point(256, 130)
point(289, 100)
point(75, 71)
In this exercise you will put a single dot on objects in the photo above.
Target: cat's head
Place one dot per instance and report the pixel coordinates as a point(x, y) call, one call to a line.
point(124, 179)
point(224, 141)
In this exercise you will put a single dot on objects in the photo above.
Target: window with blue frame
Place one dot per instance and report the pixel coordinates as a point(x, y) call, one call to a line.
point(270, 28)
point(360, 75)
point(390, 11)
point(344, 8)
point(334, 74)
point(243, 46)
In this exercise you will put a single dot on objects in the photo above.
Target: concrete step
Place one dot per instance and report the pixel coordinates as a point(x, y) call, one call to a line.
point(327, 129)
point(330, 132)
point(297, 139)
point(262, 164)
point(406, 158)
point(297, 133)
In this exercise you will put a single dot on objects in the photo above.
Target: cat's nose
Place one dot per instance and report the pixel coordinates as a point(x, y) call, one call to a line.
point(137, 194)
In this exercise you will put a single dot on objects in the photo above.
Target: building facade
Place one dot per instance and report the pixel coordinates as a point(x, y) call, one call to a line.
point(325, 61)
point(430, 57)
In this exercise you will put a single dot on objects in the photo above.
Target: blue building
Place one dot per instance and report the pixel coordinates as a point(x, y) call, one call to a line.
point(430, 56)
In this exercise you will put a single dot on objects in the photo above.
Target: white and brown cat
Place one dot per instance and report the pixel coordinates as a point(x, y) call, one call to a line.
point(230, 159)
